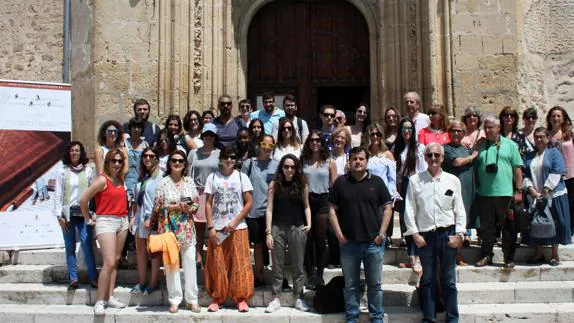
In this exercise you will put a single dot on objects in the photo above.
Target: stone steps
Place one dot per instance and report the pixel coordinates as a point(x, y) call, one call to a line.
point(391, 274)
point(531, 312)
point(394, 294)
point(392, 255)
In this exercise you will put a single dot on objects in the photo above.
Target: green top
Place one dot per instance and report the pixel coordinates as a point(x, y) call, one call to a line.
point(500, 183)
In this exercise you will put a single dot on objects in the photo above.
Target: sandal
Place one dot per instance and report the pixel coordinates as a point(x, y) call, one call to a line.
point(554, 262)
point(213, 307)
point(173, 309)
point(243, 307)
point(417, 267)
point(193, 307)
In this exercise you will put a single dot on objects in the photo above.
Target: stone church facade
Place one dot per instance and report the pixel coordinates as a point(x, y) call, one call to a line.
point(183, 54)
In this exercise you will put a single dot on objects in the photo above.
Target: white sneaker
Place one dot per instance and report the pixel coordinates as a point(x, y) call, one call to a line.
point(114, 303)
point(300, 305)
point(274, 305)
point(99, 308)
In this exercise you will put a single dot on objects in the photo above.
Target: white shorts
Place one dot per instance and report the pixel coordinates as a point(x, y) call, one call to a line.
point(111, 223)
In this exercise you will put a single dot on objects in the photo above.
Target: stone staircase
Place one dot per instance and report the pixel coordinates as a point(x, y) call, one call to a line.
point(33, 289)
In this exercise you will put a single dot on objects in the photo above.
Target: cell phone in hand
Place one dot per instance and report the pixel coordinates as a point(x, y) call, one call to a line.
point(187, 200)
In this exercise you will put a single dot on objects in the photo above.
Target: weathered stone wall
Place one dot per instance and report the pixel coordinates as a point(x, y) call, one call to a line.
point(546, 64)
point(484, 49)
point(31, 38)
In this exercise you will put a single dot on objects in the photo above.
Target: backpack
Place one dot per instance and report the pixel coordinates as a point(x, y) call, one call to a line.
point(330, 298)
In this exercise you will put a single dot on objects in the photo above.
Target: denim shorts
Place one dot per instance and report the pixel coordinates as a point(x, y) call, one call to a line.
point(111, 224)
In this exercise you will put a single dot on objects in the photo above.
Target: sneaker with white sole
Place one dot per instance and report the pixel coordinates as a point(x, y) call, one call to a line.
point(274, 305)
point(300, 305)
point(99, 308)
point(114, 303)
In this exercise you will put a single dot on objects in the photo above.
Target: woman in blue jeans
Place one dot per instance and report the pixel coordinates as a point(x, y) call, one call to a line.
point(71, 181)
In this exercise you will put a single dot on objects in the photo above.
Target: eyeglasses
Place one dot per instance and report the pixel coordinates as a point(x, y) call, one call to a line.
point(245, 106)
point(112, 131)
point(288, 166)
point(407, 130)
point(225, 103)
point(229, 157)
point(148, 156)
point(431, 155)
point(116, 161)
point(177, 161)
point(339, 118)
point(456, 130)
point(315, 140)
point(376, 134)
point(266, 145)
point(509, 115)
point(289, 128)
point(361, 112)
point(328, 115)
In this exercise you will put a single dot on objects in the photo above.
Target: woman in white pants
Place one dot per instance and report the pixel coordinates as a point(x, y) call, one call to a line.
point(176, 202)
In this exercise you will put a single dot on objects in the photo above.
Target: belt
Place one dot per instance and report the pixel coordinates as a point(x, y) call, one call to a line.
point(442, 229)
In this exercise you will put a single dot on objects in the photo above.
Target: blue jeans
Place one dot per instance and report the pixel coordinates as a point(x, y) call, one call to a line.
point(86, 237)
point(437, 254)
point(352, 254)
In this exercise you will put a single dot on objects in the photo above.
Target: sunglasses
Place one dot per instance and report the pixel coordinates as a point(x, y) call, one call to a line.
point(431, 155)
point(328, 115)
point(509, 115)
point(456, 131)
point(225, 103)
point(376, 134)
point(289, 167)
point(177, 161)
point(245, 106)
point(287, 128)
point(361, 112)
point(116, 161)
point(148, 156)
point(266, 145)
point(407, 130)
point(229, 157)
point(339, 118)
point(315, 140)
point(112, 131)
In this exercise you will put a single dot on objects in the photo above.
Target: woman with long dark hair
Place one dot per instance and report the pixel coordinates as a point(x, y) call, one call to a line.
point(256, 130)
point(111, 224)
point(175, 127)
point(391, 130)
point(288, 221)
point(362, 120)
point(321, 172)
point(287, 141)
point(192, 123)
point(243, 147)
point(71, 182)
point(165, 146)
point(409, 155)
point(110, 136)
point(134, 146)
point(140, 223)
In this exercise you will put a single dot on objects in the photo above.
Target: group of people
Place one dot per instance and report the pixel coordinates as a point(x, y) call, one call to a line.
point(327, 194)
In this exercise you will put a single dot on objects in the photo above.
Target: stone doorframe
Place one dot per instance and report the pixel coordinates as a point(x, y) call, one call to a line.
point(370, 11)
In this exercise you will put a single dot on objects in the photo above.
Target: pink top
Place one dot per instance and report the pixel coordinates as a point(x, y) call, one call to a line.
point(469, 139)
point(427, 135)
point(567, 150)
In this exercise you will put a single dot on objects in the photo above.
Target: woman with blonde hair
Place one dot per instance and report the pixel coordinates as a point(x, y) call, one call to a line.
point(111, 224)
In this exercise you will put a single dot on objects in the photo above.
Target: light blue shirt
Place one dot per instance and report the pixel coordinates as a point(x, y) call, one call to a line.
point(268, 119)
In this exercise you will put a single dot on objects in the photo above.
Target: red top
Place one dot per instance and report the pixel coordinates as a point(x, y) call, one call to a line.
point(113, 200)
point(426, 136)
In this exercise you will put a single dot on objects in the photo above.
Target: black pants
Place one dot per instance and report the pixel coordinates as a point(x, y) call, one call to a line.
point(570, 188)
point(492, 212)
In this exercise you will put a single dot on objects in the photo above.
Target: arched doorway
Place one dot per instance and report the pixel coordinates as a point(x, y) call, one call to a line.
point(317, 50)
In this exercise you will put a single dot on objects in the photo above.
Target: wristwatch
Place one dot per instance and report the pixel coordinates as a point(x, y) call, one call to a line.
point(382, 235)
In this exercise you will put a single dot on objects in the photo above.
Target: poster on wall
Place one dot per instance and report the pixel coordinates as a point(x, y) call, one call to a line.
point(35, 127)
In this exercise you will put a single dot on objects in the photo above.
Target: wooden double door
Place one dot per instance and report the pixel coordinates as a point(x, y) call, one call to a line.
point(317, 50)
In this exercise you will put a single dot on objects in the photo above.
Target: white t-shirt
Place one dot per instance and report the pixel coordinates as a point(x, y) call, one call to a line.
point(227, 194)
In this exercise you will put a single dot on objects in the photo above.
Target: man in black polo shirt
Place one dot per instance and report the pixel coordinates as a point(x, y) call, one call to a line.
point(354, 212)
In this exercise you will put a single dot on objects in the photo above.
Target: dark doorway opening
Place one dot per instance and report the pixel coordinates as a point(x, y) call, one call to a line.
point(344, 98)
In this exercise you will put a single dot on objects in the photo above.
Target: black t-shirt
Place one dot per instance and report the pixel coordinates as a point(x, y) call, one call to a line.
point(150, 132)
point(359, 204)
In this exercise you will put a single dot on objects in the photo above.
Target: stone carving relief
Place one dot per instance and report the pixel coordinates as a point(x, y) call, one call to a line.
point(197, 45)
point(549, 26)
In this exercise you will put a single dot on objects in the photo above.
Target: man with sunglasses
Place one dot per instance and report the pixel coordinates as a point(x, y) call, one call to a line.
point(290, 108)
point(270, 113)
point(412, 101)
point(226, 125)
point(499, 173)
point(436, 219)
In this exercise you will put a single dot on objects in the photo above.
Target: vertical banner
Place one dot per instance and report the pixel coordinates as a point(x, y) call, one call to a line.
point(35, 126)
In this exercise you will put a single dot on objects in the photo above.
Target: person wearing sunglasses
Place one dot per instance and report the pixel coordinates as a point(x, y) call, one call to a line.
point(436, 131)
point(165, 146)
point(260, 171)
point(245, 109)
point(327, 124)
point(301, 128)
point(382, 163)
point(110, 136)
point(509, 127)
point(227, 126)
point(458, 160)
point(111, 224)
point(529, 118)
point(270, 113)
point(358, 128)
point(203, 162)
point(499, 171)
point(176, 201)
point(140, 223)
point(472, 119)
point(321, 171)
point(287, 223)
point(436, 219)
point(409, 155)
point(287, 141)
point(228, 271)
point(340, 119)
point(71, 182)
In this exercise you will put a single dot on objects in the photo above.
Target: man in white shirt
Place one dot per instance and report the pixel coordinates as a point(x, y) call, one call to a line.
point(436, 219)
point(300, 125)
point(412, 101)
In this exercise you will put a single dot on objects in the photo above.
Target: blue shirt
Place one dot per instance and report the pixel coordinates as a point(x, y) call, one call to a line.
point(268, 119)
point(227, 132)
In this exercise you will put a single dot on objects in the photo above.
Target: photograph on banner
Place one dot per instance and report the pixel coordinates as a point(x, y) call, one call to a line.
point(35, 127)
